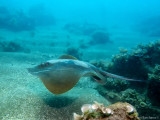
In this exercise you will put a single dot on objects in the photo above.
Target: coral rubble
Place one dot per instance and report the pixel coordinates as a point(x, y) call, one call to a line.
point(117, 111)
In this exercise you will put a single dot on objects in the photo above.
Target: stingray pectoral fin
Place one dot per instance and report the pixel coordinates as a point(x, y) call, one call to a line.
point(97, 77)
point(58, 84)
point(99, 80)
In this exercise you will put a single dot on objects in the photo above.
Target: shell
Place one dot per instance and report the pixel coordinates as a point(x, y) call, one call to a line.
point(76, 116)
point(86, 107)
point(107, 111)
point(130, 109)
point(95, 106)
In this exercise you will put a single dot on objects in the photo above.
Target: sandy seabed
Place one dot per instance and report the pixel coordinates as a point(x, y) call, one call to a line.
point(23, 96)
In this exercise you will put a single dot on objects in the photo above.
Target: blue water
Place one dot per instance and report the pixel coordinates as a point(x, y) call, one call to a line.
point(34, 31)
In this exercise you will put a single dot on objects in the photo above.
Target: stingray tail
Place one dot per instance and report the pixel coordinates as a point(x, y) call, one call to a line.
point(102, 77)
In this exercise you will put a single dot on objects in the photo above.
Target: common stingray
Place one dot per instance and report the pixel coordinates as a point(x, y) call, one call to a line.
point(61, 75)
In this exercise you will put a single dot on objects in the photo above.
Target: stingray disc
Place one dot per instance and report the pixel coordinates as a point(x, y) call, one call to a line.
point(59, 76)
point(59, 82)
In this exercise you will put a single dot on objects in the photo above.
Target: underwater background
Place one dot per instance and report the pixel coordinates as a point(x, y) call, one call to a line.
point(118, 36)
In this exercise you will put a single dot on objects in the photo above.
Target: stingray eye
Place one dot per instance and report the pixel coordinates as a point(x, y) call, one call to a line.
point(42, 65)
point(47, 63)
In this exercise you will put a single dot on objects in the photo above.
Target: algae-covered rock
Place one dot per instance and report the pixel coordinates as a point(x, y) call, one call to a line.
point(117, 111)
point(142, 62)
point(153, 88)
point(128, 65)
point(139, 100)
point(136, 63)
point(11, 46)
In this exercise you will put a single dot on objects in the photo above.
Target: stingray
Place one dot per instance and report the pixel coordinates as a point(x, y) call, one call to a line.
point(61, 75)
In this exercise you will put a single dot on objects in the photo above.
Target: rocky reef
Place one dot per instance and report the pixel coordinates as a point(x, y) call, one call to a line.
point(153, 88)
point(140, 63)
point(137, 63)
point(117, 111)
point(11, 46)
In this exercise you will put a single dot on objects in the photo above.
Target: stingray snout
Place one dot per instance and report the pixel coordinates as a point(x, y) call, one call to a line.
point(32, 71)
